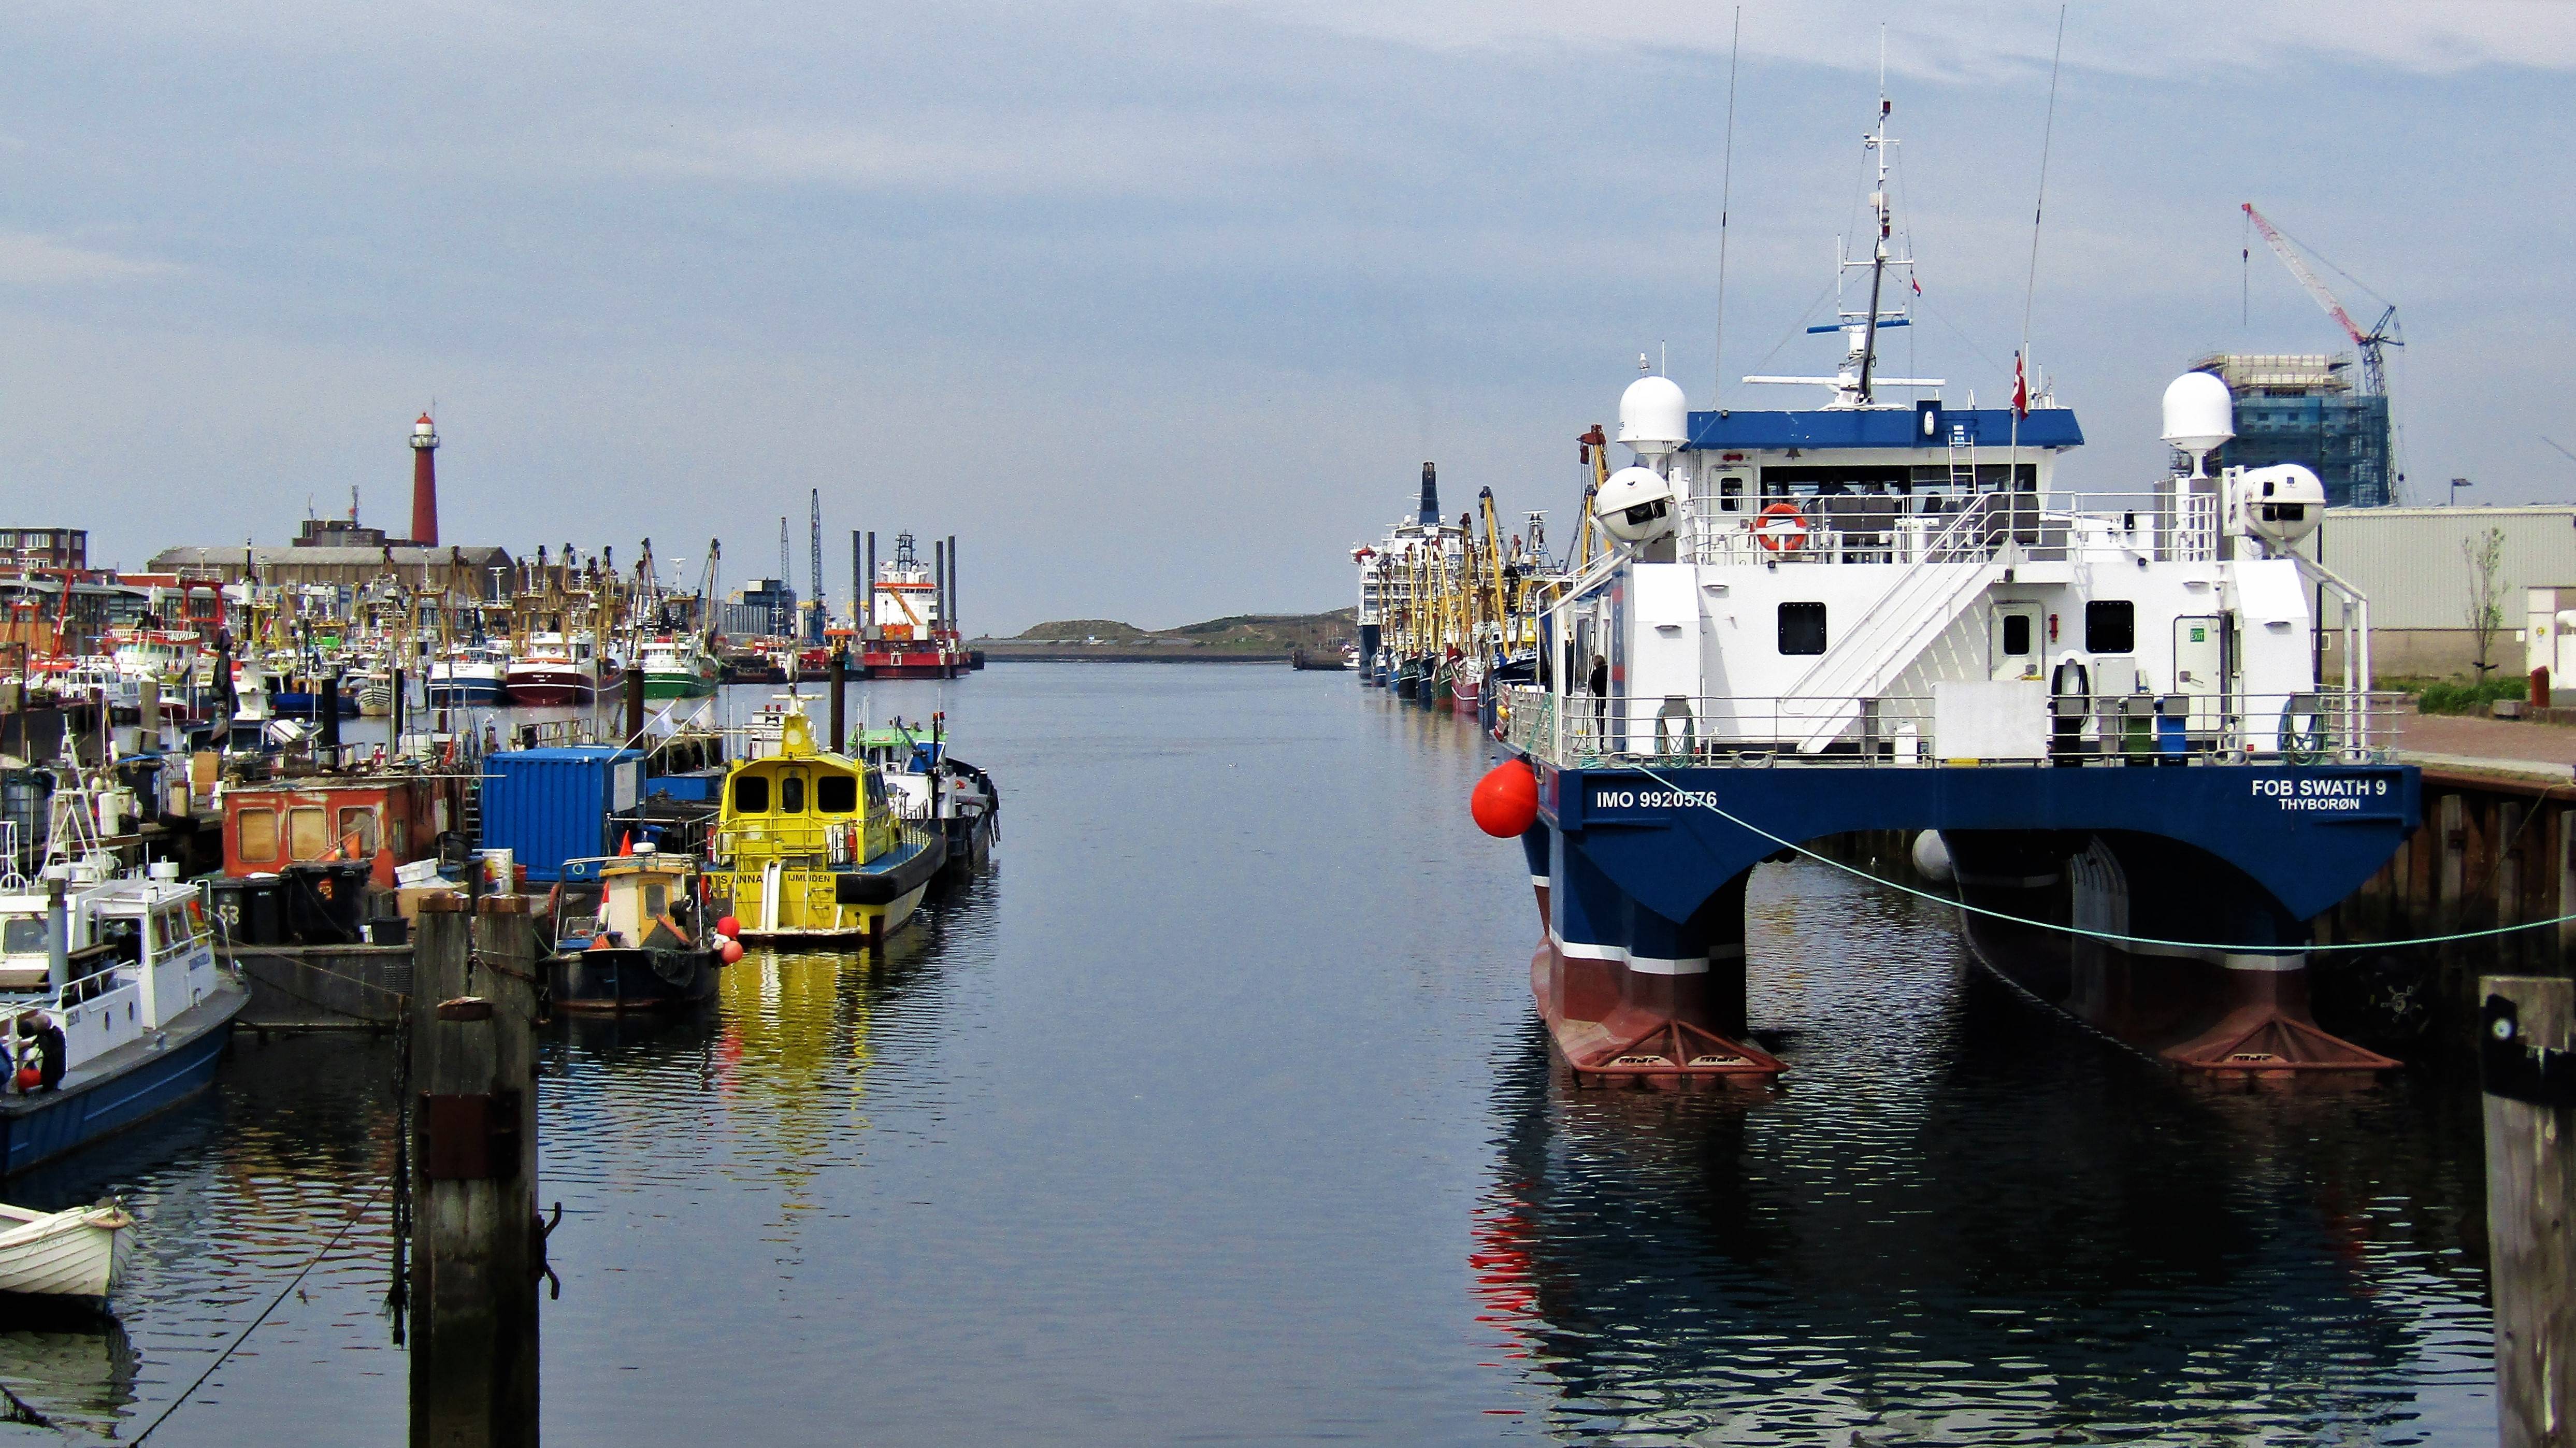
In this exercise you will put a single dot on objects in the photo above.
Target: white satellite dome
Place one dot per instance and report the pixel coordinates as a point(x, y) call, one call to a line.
point(2200, 415)
point(1654, 416)
point(1635, 505)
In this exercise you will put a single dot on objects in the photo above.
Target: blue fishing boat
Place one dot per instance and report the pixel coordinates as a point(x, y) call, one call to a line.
point(112, 1007)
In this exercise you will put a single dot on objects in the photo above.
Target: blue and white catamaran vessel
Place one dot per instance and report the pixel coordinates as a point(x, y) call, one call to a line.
point(2119, 711)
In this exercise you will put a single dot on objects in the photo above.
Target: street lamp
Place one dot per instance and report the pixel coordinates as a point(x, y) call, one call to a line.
point(2454, 495)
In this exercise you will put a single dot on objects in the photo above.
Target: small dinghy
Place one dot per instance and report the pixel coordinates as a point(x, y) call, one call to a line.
point(78, 1253)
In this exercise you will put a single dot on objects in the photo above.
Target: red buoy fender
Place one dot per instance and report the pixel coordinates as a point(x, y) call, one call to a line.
point(728, 927)
point(1505, 803)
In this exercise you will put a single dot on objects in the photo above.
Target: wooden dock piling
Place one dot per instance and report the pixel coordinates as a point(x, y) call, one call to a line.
point(840, 686)
point(2527, 1055)
point(477, 1250)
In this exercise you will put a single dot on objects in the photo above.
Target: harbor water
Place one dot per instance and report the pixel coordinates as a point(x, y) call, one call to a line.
point(1218, 1112)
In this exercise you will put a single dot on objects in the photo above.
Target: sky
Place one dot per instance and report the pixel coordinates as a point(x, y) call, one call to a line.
point(1160, 306)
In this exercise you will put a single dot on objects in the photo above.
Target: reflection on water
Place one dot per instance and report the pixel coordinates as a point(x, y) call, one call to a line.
point(1963, 1221)
point(72, 1372)
point(1219, 1112)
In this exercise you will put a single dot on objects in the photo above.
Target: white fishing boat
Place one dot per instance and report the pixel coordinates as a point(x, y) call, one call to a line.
point(469, 674)
point(78, 1253)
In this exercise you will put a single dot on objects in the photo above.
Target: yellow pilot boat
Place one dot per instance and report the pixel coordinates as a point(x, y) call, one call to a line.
point(808, 849)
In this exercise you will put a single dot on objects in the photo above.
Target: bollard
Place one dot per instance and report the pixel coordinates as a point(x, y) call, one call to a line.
point(327, 703)
point(2529, 1076)
point(473, 1159)
point(840, 685)
point(634, 706)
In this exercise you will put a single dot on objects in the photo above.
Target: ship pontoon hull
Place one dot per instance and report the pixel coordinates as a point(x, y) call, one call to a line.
point(1640, 880)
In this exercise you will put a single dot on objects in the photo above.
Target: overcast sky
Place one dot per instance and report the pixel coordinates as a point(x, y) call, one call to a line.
point(1161, 305)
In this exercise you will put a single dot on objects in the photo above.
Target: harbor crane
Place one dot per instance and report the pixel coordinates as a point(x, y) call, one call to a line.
point(814, 600)
point(2382, 334)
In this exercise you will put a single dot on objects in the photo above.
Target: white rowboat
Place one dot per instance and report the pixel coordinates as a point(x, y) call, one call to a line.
point(78, 1253)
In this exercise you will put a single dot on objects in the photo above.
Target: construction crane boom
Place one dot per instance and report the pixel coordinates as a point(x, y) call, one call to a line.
point(815, 529)
point(2374, 373)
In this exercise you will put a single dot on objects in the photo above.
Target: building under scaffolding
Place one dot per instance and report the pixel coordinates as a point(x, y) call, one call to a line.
point(2304, 407)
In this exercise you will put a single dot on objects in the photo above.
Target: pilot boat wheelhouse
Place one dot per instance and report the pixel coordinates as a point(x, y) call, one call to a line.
point(809, 848)
point(2136, 720)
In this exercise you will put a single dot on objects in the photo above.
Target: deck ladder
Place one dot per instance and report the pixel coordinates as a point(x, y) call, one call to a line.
point(1899, 627)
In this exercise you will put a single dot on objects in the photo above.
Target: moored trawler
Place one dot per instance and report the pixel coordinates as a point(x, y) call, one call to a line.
point(2104, 711)
point(468, 674)
point(557, 669)
point(678, 666)
point(809, 849)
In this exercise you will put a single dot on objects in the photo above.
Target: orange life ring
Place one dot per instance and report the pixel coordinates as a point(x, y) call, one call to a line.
point(1781, 539)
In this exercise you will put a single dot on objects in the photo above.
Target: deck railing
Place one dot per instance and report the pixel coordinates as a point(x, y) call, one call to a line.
point(2322, 726)
point(2178, 526)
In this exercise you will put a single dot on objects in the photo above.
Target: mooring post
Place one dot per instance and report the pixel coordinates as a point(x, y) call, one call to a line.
point(327, 704)
point(2454, 843)
point(2508, 883)
point(634, 706)
point(840, 681)
point(2565, 904)
point(476, 1246)
point(2530, 1082)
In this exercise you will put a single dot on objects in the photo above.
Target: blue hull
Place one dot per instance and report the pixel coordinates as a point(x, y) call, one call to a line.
point(1640, 881)
point(38, 1129)
point(307, 706)
point(475, 693)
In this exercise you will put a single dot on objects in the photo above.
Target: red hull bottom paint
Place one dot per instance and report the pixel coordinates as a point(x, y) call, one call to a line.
point(547, 696)
point(1464, 701)
point(2230, 1022)
point(1617, 1024)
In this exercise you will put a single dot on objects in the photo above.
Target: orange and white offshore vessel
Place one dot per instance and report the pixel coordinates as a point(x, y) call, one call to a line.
point(909, 615)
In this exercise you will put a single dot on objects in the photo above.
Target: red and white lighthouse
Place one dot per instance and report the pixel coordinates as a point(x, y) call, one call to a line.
point(424, 483)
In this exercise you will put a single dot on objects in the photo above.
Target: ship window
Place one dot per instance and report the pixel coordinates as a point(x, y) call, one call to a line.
point(22, 935)
point(2017, 634)
point(791, 794)
point(836, 793)
point(256, 835)
point(307, 833)
point(657, 899)
point(2110, 626)
point(751, 794)
point(358, 830)
point(876, 794)
point(1802, 628)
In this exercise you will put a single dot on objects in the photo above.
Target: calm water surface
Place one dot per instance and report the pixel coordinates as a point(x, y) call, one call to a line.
point(1218, 1113)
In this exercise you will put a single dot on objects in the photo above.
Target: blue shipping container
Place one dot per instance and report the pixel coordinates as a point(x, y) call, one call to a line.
point(547, 806)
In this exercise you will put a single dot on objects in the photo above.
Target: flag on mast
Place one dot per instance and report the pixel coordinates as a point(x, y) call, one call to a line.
point(2021, 389)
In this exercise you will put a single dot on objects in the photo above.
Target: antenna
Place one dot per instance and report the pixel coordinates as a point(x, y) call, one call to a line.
point(2030, 287)
point(1725, 201)
point(815, 526)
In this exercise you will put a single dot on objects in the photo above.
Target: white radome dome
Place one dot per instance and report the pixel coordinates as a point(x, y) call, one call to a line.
point(2200, 415)
point(1654, 416)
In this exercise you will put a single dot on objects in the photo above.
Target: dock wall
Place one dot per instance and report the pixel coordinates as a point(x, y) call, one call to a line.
point(324, 987)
